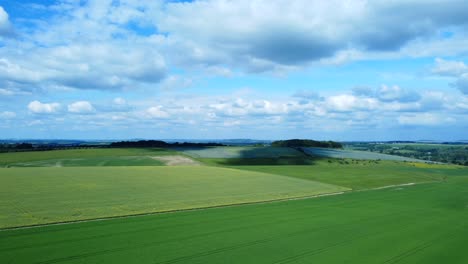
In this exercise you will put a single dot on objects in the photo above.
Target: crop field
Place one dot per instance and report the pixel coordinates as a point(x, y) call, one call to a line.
point(422, 223)
point(85, 157)
point(30, 196)
point(253, 205)
point(95, 161)
point(355, 154)
point(241, 152)
point(360, 175)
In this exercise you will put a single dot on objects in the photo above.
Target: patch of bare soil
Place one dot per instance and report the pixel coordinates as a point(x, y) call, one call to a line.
point(176, 160)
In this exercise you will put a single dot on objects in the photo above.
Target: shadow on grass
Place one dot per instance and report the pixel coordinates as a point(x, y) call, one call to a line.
point(265, 161)
point(251, 157)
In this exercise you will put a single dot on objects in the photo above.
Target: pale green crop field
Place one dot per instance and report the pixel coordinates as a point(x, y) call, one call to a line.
point(85, 157)
point(420, 224)
point(30, 196)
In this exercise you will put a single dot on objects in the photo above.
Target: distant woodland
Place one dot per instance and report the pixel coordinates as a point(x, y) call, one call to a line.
point(306, 143)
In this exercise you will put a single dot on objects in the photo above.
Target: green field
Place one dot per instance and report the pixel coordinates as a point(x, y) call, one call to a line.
point(85, 157)
point(354, 154)
point(362, 223)
point(363, 175)
point(415, 224)
point(31, 196)
point(241, 152)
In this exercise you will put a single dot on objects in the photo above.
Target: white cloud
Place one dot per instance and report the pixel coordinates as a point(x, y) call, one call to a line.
point(134, 44)
point(7, 115)
point(425, 119)
point(395, 93)
point(6, 92)
point(43, 108)
point(157, 112)
point(119, 101)
point(456, 69)
point(347, 103)
point(5, 25)
point(81, 107)
point(265, 35)
point(449, 68)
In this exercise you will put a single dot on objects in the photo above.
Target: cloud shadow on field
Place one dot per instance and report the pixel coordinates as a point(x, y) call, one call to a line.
point(232, 156)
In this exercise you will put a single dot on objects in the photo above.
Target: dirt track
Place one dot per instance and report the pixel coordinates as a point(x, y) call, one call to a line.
point(176, 160)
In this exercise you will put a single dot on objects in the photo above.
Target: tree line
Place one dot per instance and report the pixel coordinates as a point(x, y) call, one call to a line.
point(159, 144)
point(306, 143)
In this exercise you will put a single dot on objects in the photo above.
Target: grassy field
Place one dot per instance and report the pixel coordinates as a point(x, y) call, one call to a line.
point(241, 152)
point(85, 157)
point(31, 196)
point(362, 174)
point(354, 154)
point(415, 224)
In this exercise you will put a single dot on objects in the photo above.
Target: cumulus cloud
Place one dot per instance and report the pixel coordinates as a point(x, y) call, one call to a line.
point(5, 25)
point(456, 69)
point(335, 111)
point(110, 56)
point(103, 66)
point(157, 112)
point(347, 103)
point(396, 93)
point(449, 68)
point(134, 44)
point(282, 33)
point(81, 107)
point(37, 107)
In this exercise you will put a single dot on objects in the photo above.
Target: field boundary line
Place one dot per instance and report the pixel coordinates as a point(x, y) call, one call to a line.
point(207, 207)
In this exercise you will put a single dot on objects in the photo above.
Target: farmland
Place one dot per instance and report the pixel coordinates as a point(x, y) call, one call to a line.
point(353, 154)
point(413, 224)
point(446, 153)
point(30, 196)
point(238, 205)
point(84, 157)
point(241, 152)
point(362, 175)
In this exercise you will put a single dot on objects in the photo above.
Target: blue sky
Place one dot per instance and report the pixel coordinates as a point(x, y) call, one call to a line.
point(340, 70)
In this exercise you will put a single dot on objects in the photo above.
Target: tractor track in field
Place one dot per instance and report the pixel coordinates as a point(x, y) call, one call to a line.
point(208, 207)
point(216, 250)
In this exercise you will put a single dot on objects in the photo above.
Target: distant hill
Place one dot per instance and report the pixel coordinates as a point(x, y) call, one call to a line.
point(306, 143)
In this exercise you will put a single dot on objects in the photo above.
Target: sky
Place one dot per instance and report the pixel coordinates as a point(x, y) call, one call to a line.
point(215, 69)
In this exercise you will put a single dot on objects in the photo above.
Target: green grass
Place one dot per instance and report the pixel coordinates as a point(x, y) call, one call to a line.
point(31, 196)
point(241, 152)
point(85, 157)
point(363, 174)
point(423, 224)
point(304, 160)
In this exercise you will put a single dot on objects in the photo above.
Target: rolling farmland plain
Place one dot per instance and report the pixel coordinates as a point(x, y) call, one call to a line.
point(225, 211)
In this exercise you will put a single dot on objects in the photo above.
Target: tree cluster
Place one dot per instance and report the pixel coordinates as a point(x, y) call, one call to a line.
point(306, 143)
point(159, 144)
